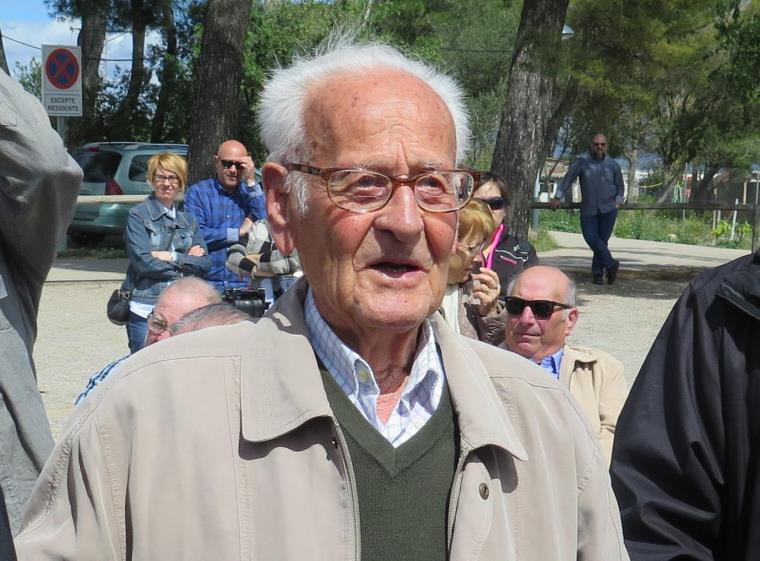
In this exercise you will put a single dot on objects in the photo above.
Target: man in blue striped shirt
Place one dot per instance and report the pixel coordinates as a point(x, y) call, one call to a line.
point(226, 206)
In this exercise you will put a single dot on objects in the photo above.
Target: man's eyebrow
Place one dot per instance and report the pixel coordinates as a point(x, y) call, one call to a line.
point(381, 166)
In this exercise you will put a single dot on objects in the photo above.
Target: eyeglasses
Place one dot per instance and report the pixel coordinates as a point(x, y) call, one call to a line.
point(170, 179)
point(227, 164)
point(542, 309)
point(495, 203)
point(361, 190)
point(602, 144)
point(157, 324)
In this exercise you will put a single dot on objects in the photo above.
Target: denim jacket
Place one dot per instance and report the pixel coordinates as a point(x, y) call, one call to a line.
point(151, 228)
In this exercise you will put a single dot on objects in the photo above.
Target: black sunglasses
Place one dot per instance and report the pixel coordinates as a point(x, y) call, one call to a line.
point(227, 164)
point(542, 309)
point(495, 203)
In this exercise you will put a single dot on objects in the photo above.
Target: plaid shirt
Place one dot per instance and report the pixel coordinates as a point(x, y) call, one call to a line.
point(420, 397)
point(98, 377)
point(219, 215)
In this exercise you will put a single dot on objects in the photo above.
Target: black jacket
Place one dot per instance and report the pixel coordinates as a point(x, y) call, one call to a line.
point(511, 256)
point(686, 458)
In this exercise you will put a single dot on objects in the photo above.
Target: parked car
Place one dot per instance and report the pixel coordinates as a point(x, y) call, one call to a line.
point(112, 168)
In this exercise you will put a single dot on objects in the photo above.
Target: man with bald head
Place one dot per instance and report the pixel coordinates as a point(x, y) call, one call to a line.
point(541, 314)
point(602, 190)
point(226, 206)
point(350, 422)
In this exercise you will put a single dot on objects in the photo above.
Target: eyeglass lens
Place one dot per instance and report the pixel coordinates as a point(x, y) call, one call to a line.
point(495, 203)
point(227, 164)
point(156, 323)
point(542, 309)
point(368, 190)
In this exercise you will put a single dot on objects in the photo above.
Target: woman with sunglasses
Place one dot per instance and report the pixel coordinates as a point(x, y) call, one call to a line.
point(506, 254)
point(470, 303)
point(163, 243)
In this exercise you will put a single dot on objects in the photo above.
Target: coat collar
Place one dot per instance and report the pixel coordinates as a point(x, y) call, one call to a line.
point(281, 388)
point(156, 210)
point(741, 287)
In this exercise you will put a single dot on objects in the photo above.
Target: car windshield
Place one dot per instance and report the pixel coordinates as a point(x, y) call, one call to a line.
point(98, 166)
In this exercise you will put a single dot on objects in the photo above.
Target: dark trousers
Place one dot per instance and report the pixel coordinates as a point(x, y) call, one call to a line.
point(597, 229)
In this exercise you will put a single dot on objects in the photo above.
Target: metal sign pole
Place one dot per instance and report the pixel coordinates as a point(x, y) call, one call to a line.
point(61, 126)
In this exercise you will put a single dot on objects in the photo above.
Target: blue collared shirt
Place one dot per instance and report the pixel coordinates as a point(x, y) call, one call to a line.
point(219, 215)
point(553, 363)
point(420, 397)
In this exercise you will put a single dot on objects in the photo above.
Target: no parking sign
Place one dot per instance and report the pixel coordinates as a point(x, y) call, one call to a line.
point(62, 80)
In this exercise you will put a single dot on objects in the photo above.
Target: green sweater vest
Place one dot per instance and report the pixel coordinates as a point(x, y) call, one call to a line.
point(404, 491)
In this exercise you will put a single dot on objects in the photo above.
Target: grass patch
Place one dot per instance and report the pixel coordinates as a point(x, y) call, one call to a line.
point(542, 240)
point(659, 226)
point(93, 253)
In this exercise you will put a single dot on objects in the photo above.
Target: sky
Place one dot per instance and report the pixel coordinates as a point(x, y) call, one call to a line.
point(28, 21)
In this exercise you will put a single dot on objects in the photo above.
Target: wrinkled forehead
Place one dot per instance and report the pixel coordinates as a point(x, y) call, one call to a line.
point(379, 105)
point(541, 286)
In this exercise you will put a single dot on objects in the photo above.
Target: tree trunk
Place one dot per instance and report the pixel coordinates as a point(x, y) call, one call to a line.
point(633, 183)
point(533, 98)
point(137, 75)
point(216, 104)
point(91, 38)
point(3, 61)
point(168, 72)
point(669, 182)
point(703, 191)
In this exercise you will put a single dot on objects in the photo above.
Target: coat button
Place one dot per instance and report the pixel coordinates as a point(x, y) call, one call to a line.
point(483, 490)
point(334, 442)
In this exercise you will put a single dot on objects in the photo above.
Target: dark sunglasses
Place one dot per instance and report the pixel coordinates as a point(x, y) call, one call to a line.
point(495, 203)
point(227, 164)
point(542, 309)
point(602, 144)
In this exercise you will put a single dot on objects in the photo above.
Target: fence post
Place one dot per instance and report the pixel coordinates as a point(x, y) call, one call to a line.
point(755, 222)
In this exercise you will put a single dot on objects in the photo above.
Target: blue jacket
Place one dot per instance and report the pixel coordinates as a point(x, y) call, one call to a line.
point(219, 215)
point(150, 228)
point(601, 184)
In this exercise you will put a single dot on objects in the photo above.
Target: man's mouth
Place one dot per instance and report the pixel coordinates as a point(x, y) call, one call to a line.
point(394, 269)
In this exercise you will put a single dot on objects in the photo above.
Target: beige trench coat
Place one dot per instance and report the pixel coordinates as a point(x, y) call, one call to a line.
point(221, 445)
point(596, 380)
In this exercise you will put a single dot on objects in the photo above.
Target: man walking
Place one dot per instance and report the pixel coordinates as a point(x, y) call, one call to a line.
point(226, 206)
point(602, 190)
point(350, 422)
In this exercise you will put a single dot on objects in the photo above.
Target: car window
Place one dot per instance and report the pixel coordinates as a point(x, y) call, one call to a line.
point(98, 166)
point(138, 169)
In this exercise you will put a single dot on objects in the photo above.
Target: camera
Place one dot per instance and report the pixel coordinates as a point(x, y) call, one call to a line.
point(249, 300)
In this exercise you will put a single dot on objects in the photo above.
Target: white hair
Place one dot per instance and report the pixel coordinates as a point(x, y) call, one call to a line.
point(283, 98)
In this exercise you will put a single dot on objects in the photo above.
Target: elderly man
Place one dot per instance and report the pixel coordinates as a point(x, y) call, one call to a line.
point(39, 183)
point(351, 422)
point(541, 314)
point(178, 299)
point(226, 208)
point(602, 190)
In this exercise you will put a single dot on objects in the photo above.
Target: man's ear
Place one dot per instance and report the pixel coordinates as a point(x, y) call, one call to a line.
point(572, 318)
point(278, 206)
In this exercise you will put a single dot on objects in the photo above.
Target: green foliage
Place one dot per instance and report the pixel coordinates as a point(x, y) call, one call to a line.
point(560, 220)
point(30, 77)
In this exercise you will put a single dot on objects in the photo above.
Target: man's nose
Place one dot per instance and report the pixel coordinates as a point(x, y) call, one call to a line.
point(402, 215)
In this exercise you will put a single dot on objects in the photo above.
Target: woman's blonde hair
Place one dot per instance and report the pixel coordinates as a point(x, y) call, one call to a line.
point(476, 218)
point(171, 162)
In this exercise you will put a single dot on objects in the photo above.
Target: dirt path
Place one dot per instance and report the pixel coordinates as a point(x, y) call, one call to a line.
point(75, 339)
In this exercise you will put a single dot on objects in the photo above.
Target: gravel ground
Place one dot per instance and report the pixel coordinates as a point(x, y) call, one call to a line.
point(75, 339)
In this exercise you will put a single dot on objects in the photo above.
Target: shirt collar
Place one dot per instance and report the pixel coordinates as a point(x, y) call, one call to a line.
point(553, 363)
point(354, 374)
